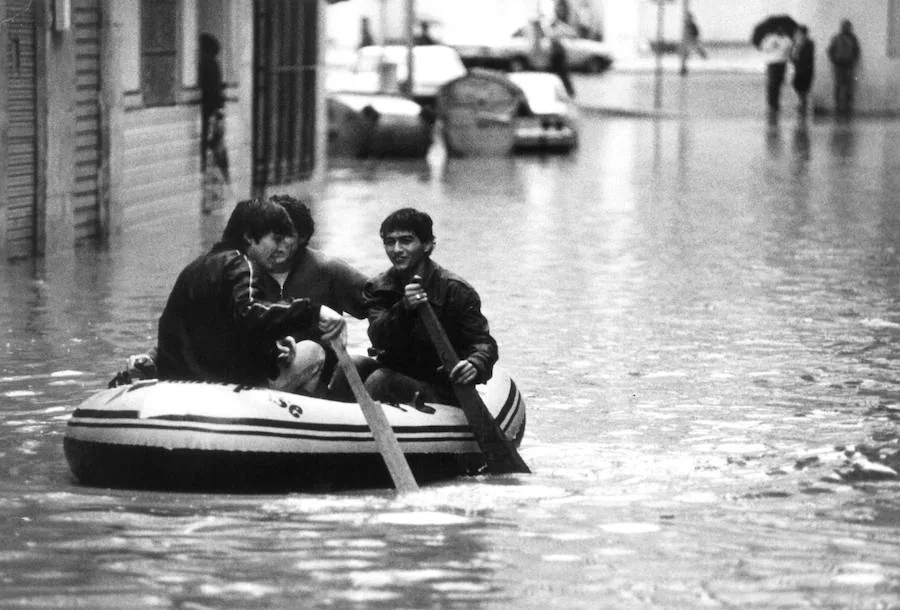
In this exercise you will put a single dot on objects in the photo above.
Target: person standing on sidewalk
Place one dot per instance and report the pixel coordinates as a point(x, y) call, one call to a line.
point(843, 51)
point(777, 47)
point(803, 57)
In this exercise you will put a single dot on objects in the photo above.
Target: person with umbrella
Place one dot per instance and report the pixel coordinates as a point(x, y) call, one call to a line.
point(777, 47)
point(773, 37)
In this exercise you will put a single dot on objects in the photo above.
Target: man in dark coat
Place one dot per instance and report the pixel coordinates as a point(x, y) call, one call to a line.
point(844, 52)
point(214, 326)
point(411, 366)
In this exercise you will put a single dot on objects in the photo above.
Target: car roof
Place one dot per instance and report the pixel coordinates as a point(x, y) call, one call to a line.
point(397, 51)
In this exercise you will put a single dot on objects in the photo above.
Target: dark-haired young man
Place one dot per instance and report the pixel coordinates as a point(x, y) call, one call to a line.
point(327, 280)
point(216, 328)
point(411, 369)
point(312, 274)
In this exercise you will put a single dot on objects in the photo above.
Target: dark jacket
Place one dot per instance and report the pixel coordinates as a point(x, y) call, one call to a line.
point(843, 50)
point(215, 328)
point(400, 338)
point(803, 57)
point(323, 280)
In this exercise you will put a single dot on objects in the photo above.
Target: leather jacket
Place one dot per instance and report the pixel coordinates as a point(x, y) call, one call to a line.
point(215, 327)
point(399, 337)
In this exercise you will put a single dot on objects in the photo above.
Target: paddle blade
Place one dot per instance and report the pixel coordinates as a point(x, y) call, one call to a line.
point(385, 440)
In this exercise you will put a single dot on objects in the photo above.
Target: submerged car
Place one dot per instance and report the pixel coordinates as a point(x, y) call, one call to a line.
point(547, 117)
point(518, 52)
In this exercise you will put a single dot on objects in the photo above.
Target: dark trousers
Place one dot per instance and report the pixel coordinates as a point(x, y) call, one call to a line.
point(774, 80)
point(843, 89)
point(386, 385)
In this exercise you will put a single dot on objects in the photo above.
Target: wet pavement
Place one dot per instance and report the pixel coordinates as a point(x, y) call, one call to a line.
point(729, 83)
point(702, 313)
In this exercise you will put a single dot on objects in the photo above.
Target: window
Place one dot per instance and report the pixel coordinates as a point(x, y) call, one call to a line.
point(158, 60)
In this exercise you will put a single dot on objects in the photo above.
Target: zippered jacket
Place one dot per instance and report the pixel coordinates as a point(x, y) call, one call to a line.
point(400, 340)
point(215, 327)
point(322, 279)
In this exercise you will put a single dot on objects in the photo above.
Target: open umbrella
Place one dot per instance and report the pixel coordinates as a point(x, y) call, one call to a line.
point(772, 24)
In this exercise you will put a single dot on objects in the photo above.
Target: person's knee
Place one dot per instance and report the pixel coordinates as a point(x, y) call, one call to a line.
point(376, 384)
point(304, 370)
point(364, 365)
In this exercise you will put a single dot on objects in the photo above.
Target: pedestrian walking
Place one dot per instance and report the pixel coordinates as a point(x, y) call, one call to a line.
point(803, 57)
point(425, 37)
point(365, 33)
point(777, 48)
point(844, 52)
point(692, 42)
point(559, 64)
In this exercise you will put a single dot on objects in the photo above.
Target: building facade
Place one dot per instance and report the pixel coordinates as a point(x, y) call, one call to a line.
point(100, 115)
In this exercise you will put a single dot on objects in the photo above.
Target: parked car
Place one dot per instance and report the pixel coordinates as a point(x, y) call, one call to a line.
point(517, 52)
point(383, 69)
point(376, 125)
point(547, 117)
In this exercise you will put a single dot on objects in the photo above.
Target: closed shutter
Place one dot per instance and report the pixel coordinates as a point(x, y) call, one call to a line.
point(284, 91)
point(21, 98)
point(85, 196)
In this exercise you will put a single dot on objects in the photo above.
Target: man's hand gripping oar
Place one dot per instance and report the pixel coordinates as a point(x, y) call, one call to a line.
point(499, 453)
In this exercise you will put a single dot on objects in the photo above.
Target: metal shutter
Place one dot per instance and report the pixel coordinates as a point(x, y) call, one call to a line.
point(21, 212)
point(85, 195)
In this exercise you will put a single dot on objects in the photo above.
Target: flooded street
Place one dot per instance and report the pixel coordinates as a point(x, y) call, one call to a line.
point(703, 318)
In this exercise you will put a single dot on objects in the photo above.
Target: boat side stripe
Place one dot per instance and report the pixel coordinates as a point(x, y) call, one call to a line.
point(511, 401)
point(94, 417)
point(363, 438)
point(105, 414)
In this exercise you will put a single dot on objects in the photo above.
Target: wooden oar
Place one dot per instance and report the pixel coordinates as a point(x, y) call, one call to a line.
point(385, 440)
point(499, 453)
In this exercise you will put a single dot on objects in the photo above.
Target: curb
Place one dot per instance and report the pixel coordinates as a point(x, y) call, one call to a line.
point(628, 113)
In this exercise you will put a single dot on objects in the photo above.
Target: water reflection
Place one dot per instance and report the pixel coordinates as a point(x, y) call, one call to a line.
point(703, 319)
point(843, 140)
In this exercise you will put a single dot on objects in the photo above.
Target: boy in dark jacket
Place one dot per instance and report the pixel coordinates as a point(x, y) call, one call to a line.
point(411, 367)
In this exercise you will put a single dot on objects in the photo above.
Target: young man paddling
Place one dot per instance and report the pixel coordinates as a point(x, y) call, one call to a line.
point(411, 368)
point(216, 328)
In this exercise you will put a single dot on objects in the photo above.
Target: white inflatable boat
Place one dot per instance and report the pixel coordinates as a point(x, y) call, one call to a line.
point(182, 435)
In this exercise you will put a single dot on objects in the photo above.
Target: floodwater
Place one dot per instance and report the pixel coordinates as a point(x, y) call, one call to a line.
point(703, 316)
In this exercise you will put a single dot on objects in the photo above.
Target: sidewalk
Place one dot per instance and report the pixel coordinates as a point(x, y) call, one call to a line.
point(720, 59)
point(729, 83)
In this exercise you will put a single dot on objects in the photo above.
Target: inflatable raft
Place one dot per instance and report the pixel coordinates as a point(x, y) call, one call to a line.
point(201, 436)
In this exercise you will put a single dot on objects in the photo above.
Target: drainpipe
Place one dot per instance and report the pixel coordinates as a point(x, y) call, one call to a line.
point(410, 45)
point(684, 36)
point(660, 14)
